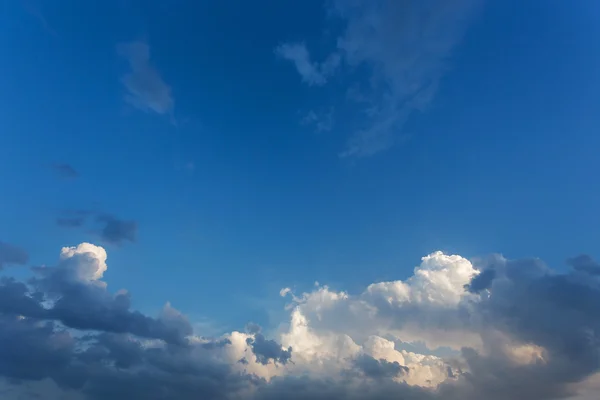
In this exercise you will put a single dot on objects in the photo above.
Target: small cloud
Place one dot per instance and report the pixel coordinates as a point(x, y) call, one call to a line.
point(322, 122)
point(146, 90)
point(111, 229)
point(190, 166)
point(285, 291)
point(311, 72)
point(35, 10)
point(10, 254)
point(117, 231)
point(65, 171)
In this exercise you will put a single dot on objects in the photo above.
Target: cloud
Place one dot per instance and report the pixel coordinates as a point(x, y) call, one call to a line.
point(115, 230)
point(404, 47)
point(109, 228)
point(12, 255)
point(584, 263)
point(312, 73)
point(322, 122)
point(145, 87)
point(378, 369)
point(35, 11)
point(527, 332)
point(265, 350)
point(65, 171)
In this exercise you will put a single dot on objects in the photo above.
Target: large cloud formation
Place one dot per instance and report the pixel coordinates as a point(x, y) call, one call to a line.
point(454, 330)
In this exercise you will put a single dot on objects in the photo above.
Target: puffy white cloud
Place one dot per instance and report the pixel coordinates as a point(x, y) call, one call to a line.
point(89, 261)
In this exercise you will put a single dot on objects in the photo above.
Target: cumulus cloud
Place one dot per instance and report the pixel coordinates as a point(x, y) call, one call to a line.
point(12, 255)
point(145, 87)
point(404, 46)
point(524, 331)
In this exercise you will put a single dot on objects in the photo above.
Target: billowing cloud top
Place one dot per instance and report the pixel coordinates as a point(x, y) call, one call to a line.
point(500, 329)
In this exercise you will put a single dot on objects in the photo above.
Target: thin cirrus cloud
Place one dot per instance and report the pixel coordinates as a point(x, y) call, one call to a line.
point(145, 88)
point(66, 171)
point(526, 332)
point(405, 46)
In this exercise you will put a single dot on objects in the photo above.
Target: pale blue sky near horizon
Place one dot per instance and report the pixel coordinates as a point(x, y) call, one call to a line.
point(231, 165)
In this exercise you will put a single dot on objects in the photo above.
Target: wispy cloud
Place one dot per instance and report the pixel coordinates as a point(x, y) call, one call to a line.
point(35, 10)
point(145, 87)
point(65, 171)
point(311, 72)
point(321, 121)
point(405, 46)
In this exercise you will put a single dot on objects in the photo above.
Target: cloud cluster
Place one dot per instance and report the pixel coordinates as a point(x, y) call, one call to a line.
point(522, 331)
point(404, 45)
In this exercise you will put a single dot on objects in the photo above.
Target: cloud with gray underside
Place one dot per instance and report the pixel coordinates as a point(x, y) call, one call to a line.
point(524, 331)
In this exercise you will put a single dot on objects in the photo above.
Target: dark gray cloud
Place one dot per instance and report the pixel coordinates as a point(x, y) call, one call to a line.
point(80, 303)
point(266, 349)
point(115, 230)
point(482, 281)
point(145, 87)
point(111, 229)
point(12, 255)
point(378, 369)
point(584, 263)
point(65, 171)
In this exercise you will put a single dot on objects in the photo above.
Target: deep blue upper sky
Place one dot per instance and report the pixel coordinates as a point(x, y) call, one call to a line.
point(236, 194)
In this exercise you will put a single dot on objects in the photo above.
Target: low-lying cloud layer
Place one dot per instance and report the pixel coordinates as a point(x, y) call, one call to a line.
point(493, 329)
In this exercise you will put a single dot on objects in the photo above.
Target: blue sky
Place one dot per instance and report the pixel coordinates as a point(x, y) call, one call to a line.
point(341, 199)
point(240, 176)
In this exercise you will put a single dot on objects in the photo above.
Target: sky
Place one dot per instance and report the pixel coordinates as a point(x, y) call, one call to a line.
point(341, 199)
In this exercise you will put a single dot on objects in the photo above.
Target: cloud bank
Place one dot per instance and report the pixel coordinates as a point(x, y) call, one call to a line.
point(403, 45)
point(521, 332)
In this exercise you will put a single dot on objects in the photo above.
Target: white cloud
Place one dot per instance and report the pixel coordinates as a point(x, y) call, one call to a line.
point(90, 264)
point(146, 89)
